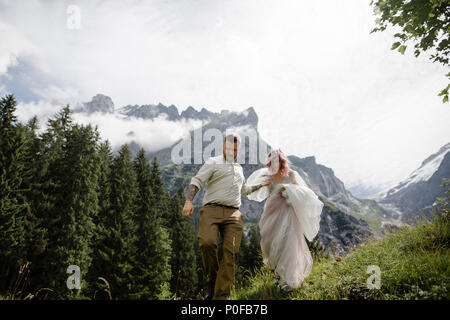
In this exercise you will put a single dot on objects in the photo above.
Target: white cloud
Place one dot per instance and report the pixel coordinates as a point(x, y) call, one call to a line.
point(152, 134)
point(61, 95)
point(12, 45)
point(42, 109)
point(119, 129)
point(2, 90)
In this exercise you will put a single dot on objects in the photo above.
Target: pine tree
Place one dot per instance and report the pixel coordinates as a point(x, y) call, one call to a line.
point(244, 252)
point(13, 204)
point(65, 201)
point(161, 198)
point(80, 200)
point(48, 201)
point(45, 196)
point(34, 241)
point(156, 179)
point(120, 252)
point(153, 244)
point(243, 263)
point(254, 256)
point(71, 224)
point(201, 274)
point(100, 258)
point(183, 260)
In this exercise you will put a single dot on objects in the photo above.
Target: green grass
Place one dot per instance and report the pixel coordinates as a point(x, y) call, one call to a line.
point(330, 205)
point(413, 262)
point(374, 222)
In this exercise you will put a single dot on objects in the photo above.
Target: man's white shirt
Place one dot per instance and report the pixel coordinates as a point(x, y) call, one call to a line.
point(225, 182)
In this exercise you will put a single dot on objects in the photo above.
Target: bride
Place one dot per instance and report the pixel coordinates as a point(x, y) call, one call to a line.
point(291, 213)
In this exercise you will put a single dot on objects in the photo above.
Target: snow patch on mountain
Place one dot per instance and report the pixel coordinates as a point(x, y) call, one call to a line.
point(428, 167)
point(424, 173)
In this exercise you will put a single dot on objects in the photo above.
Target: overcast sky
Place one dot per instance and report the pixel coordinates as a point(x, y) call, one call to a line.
point(321, 84)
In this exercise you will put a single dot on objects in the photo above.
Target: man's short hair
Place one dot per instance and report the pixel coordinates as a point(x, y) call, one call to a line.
point(232, 137)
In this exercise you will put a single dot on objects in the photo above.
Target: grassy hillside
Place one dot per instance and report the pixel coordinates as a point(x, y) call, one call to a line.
point(414, 263)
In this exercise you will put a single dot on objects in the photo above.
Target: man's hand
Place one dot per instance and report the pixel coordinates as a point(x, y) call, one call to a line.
point(188, 209)
point(262, 184)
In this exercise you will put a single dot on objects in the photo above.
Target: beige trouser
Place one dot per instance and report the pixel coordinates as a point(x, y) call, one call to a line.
point(215, 219)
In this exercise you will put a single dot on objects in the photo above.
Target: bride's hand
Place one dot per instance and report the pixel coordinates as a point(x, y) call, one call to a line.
point(266, 182)
point(283, 192)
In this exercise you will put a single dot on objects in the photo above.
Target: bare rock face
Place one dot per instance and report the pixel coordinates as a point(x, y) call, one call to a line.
point(99, 103)
point(171, 113)
point(191, 113)
point(340, 232)
point(320, 176)
point(151, 111)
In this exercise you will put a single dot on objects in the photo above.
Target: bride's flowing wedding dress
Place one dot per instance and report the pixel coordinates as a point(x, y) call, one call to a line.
point(291, 213)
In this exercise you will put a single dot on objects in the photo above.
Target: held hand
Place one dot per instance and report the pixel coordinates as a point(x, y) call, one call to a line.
point(266, 182)
point(188, 209)
point(282, 192)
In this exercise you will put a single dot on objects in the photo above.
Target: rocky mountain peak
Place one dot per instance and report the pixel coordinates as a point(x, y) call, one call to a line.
point(99, 103)
point(248, 117)
point(203, 114)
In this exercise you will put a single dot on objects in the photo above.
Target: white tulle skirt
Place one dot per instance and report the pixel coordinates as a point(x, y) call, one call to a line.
point(289, 216)
point(283, 242)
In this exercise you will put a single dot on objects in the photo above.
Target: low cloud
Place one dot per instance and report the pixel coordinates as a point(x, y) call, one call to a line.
point(151, 134)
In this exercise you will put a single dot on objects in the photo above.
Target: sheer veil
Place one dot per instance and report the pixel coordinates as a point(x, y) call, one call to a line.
point(256, 178)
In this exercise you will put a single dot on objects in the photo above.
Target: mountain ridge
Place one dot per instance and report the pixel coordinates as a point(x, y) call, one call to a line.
point(415, 195)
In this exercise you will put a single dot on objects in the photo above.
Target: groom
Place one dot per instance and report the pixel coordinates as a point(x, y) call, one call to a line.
point(225, 184)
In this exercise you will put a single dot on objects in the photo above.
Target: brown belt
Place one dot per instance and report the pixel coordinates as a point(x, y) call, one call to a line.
point(220, 205)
